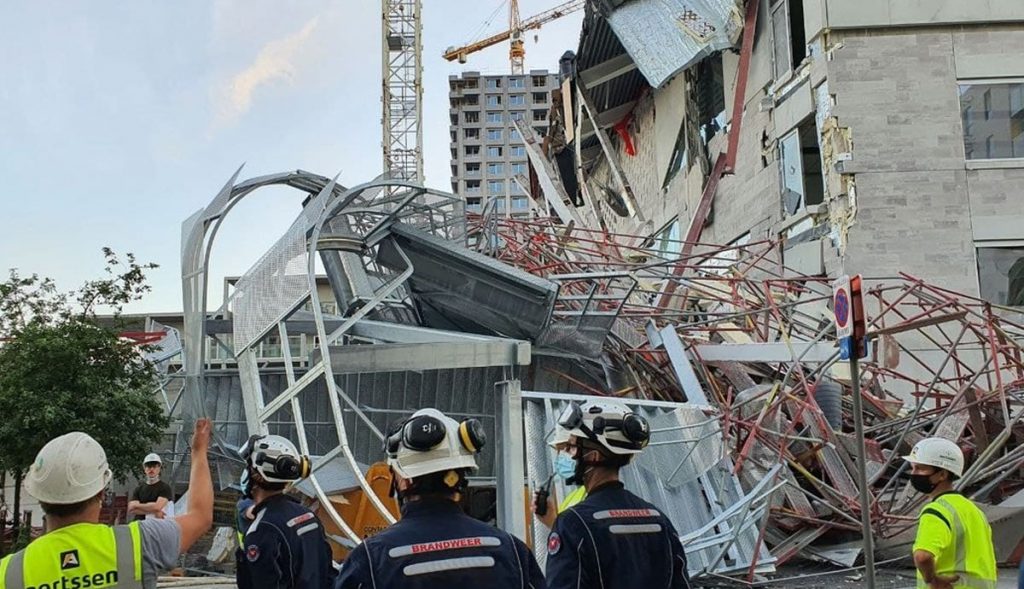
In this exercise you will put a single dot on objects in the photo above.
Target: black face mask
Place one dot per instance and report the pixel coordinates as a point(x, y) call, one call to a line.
point(922, 483)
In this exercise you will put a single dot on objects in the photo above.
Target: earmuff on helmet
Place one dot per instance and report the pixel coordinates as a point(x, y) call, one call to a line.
point(426, 432)
point(633, 427)
point(283, 466)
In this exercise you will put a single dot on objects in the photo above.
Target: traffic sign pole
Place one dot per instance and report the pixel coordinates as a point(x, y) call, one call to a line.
point(851, 329)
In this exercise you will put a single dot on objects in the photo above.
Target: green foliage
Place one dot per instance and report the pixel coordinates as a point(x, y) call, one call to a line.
point(63, 370)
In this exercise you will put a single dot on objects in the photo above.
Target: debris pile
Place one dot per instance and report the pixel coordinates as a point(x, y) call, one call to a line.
point(731, 329)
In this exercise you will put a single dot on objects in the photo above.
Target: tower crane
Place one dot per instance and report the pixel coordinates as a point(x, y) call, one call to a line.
point(402, 96)
point(516, 28)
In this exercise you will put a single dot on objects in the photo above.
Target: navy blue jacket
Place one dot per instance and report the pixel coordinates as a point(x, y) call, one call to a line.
point(615, 540)
point(284, 548)
point(437, 546)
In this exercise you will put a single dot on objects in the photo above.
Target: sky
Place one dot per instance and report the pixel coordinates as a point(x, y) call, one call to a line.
point(118, 120)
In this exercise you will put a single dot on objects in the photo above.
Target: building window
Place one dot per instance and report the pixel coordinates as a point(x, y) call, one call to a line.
point(329, 307)
point(1001, 275)
point(667, 241)
point(472, 99)
point(518, 151)
point(788, 35)
point(472, 186)
point(472, 169)
point(516, 83)
point(270, 347)
point(519, 203)
point(471, 133)
point(471, 117)
point(800, 162)
point(495, 169)
point(540, 81)
point(513, 135)
point(472, 150)
point(517, 115)
point(493, 100)
point(472, 83)
point(540, 115)
point(493, 83)
point(998, 131)
point(495, 187)
point(517, 100)
point(518, 168)
point(493, 152)
point(494, 134)
point(494, 118)
point(540, 98)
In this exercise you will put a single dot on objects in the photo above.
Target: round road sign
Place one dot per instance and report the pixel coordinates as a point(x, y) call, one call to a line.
point(842, 307)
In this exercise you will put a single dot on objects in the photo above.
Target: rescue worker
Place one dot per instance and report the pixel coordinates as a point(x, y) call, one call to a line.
point(953, 547)
point(612, 539)
point(564, 468)
point(285, 546)
point(153, 497)
point(435, 545)
point(243, 509)
point(68, 478)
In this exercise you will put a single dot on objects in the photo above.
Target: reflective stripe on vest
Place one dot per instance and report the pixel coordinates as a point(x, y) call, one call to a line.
point(966, 580)
point(47, 568)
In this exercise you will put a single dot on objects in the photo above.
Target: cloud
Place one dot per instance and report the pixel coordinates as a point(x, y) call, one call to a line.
point(274, 63)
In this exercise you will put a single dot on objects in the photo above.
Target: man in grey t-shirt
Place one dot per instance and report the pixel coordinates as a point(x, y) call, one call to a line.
point(68, 478)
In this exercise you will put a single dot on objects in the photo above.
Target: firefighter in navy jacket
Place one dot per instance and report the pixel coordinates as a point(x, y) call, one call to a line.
point(285, 546)
point(612, 539)
point(435, 545)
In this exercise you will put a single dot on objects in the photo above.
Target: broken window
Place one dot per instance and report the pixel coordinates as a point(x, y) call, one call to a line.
point(997, 132)
point(788, 37)
point(800, 162)
point(710, 96)
point(1001, 275)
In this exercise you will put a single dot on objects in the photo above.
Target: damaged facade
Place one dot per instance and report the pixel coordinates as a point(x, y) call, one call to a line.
point(875, 137)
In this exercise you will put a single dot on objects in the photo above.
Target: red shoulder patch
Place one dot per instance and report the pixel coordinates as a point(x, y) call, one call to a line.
point(252, 553)
point(554, 544)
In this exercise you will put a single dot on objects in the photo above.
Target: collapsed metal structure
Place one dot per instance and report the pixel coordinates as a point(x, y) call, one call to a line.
point(730, 356)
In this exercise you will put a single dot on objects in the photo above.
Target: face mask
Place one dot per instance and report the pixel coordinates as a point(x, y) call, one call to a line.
point(565, 466)
point(922, 483)
point(152, 480)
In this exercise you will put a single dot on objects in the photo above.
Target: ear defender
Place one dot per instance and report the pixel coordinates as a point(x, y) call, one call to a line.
point(636, 429)
point(423, 433)
point(472, 436)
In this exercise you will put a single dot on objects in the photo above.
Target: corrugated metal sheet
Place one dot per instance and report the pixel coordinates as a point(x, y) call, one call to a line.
point(665, 37)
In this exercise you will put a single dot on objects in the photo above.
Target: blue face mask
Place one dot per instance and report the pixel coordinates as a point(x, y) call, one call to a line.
point(565, 466)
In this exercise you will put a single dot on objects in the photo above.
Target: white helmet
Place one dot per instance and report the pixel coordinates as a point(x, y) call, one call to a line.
point(151, 458)
point(275, 458)
point(940, 453)
point(560, 437)
point(430, 442)
point(608, 423)
point(69, 469)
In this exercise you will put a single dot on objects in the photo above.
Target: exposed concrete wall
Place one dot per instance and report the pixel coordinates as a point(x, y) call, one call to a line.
point(897, 13)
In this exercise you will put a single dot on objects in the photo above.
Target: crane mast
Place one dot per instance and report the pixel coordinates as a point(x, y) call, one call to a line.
point(402, 97)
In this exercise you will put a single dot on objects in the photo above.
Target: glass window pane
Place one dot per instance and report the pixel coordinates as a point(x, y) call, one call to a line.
point(780, 39)
point(792, 173)
point(1001, 275)
point(993, 120)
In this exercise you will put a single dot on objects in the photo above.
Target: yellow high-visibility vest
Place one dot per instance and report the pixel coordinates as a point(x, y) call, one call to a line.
point(80, 556)
point(573, 498)
point(954, 530)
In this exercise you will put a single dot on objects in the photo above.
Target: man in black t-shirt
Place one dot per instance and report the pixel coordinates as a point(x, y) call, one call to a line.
point(151, 497)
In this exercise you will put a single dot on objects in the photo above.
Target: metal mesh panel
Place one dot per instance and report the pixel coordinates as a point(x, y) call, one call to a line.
point(539, 467)
point(272, 287)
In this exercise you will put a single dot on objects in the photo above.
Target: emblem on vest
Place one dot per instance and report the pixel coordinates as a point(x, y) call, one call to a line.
point(69, 560)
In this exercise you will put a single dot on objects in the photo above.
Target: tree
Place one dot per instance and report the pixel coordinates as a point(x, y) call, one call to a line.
point(62, 370)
